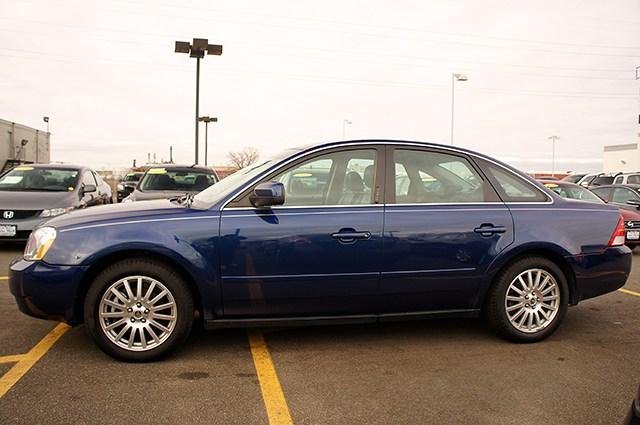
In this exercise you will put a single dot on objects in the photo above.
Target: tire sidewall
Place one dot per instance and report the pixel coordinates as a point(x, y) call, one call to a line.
point(168, 277)
point(500, 293)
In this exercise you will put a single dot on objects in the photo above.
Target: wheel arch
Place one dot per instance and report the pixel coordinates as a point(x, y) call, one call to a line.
point(551, 253)
point(106, 260)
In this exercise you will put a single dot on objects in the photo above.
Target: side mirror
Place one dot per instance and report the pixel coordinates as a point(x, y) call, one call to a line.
point(88, 188)
point(634, 202)
point(267, 194)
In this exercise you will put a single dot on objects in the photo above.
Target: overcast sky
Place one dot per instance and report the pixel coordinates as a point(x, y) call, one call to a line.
point(293, 71)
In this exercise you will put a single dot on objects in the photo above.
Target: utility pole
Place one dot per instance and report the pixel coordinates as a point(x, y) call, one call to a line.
point(454, 77)
point(197, 49)
point(345, 123)
point(206, 121)
point(553, 154)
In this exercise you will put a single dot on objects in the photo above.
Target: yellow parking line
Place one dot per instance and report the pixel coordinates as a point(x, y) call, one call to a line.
point(626, 291)
point(18, 370)
point(4, 277)
point(15, 358)
point(274, 401)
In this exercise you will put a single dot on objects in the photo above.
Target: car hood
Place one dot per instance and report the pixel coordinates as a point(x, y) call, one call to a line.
point(35, 200)
point(125, 211)
point(138, 195)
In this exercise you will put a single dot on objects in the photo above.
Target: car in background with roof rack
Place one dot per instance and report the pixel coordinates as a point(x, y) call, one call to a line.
point(627, 178)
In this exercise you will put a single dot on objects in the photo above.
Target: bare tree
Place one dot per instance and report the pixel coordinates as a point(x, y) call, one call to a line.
point(243, 158)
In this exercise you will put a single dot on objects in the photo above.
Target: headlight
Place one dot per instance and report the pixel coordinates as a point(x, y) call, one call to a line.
point(54, 212)
point(120, 187)
point(39, 243)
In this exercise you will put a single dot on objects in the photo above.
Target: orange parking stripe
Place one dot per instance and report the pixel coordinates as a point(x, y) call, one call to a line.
point(15, 358)
point(274, 401)
point(626, 291)
point(9, 379)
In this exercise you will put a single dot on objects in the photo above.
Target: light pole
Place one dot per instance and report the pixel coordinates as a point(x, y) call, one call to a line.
point(345, 123)
point(553, 154)
point(196, 50)
point(46, 119)
point(206, 121)
point(454, 77)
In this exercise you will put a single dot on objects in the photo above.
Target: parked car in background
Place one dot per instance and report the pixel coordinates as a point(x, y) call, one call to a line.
point(31, 194)
point(599, 180)
point(127, 184)
point(574, 178)
point(627, 178)
point(466, 234)
point(631, 216)
point(623, 195)
point(633, 417)
point(169, 181)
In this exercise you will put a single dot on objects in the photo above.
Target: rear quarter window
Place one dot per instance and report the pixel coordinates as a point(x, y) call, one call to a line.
point(511, 187)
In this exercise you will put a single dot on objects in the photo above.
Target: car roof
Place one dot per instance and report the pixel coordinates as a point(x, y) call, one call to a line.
point(182, 167)
point(628, 185)
point(54, 165)
point(559, 183)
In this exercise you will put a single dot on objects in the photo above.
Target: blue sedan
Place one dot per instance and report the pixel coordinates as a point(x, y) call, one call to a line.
point(346, 232)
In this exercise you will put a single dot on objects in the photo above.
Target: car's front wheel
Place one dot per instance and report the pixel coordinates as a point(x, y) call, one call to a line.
point(138, 310)
point(528, 300)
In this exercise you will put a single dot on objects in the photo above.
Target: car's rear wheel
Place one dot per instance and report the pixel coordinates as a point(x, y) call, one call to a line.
point(138, 310)
point(528, 300)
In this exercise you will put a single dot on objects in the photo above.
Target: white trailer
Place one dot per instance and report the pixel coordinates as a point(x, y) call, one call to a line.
point(20, 144)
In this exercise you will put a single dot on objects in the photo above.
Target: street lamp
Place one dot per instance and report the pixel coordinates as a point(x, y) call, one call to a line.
point(206, 121)
point(553, 154)
point(345, 123)
point(46, 119)
point(455, 77)
point(196, 50)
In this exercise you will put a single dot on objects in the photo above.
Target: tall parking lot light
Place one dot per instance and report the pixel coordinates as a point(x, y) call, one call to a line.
point(206, 121)
point(553, 154)
point(454, 77)
point(197, 50)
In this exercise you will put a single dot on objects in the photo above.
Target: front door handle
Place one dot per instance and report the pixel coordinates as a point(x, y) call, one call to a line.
point(487, 229)
point(350, 235)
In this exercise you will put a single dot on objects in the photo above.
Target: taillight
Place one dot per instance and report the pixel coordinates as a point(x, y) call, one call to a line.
point(617, 238)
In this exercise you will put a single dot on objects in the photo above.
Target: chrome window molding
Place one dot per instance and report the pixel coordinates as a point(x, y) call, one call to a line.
point(299, 155)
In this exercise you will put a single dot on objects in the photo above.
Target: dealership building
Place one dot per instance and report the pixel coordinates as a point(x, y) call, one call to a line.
point(624, 158)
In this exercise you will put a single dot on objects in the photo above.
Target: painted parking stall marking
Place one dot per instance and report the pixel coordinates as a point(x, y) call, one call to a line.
point(15, 358)
point(4, 277)
point(26, 361)
point(272, 394)
point(629, 292)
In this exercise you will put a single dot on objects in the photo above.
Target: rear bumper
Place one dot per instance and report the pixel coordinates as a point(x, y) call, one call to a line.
point(45, 291)
point(598, 274)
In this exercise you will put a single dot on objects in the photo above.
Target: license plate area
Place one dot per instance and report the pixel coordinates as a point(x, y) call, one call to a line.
point(7, 230)
point(633, 235)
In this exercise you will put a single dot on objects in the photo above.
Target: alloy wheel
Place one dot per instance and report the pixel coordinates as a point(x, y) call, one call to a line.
point(532, 300)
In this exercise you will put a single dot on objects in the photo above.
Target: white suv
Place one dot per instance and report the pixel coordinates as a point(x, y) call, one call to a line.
point(630, 178)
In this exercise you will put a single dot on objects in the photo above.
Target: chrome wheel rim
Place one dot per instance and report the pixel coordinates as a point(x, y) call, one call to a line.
point(137, 313)
point(532, 301)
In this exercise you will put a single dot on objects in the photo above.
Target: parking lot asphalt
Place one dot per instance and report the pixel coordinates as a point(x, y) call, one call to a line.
point(439, 371)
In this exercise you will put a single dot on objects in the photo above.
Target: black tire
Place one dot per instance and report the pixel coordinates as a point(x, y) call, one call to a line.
point(156, 270)
point(495, 309)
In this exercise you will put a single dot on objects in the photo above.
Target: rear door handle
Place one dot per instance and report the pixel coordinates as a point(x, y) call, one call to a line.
point(350, 235)
point(489, 229)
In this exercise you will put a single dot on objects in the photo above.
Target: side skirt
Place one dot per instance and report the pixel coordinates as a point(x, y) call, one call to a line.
point(336, 320)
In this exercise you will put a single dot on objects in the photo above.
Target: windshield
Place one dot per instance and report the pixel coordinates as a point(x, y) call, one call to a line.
point(133, 177)
point(179, 180)
point(39, 179)
point(574, 192)
point(574, 178)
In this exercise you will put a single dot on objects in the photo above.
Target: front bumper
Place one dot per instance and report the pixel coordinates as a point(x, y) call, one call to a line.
point(598, 274)
point(46, 291)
